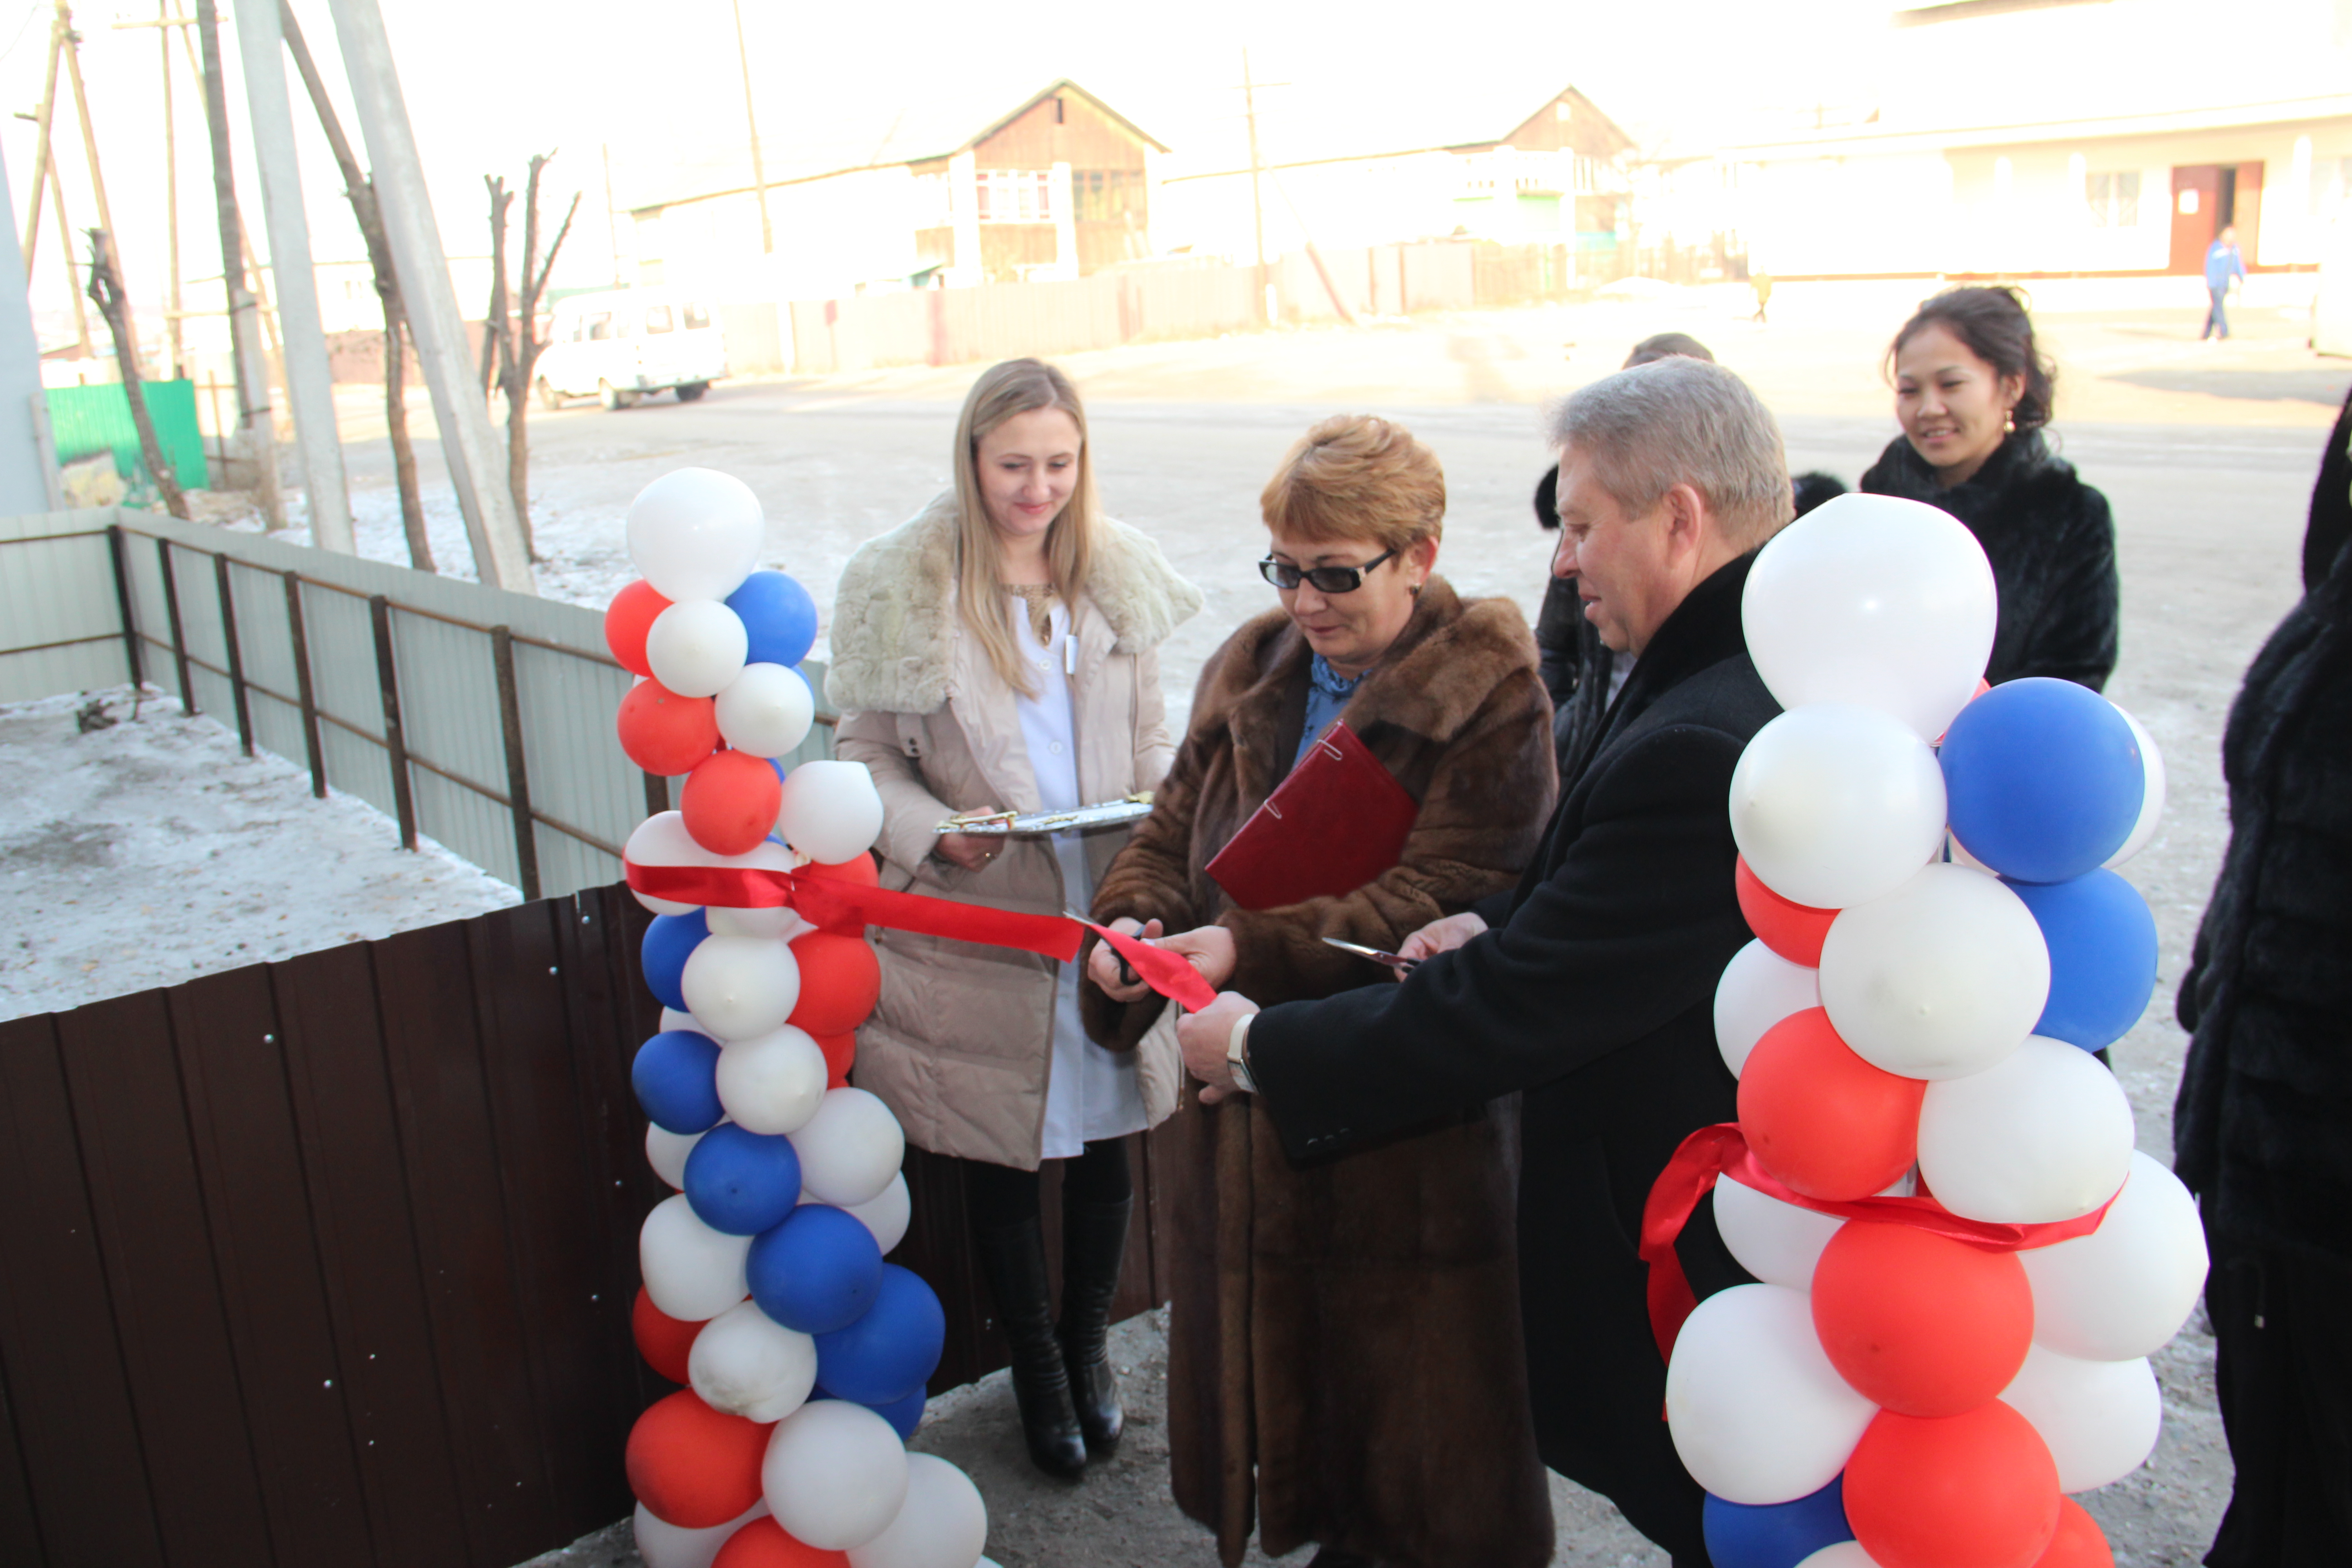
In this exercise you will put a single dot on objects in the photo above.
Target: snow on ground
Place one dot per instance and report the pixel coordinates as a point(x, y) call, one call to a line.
point(153, 850)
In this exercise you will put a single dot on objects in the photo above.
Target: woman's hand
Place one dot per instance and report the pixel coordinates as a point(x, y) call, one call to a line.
point(1439, 936)
point(1209, 948)
point(1103, 967)
point(973, 851)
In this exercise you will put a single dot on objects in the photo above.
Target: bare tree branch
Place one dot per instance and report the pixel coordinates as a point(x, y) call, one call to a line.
point(106, 293)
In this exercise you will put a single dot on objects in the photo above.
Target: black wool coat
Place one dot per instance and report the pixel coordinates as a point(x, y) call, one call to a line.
point(2262, 1124)
point(2051, 543)
point(1594, 993)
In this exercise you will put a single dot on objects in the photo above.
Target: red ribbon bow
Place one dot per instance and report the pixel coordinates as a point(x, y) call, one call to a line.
point(1722, 1151)
point(848, 908)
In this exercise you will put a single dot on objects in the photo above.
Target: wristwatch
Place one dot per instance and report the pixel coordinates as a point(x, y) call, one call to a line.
point(1237, 1055)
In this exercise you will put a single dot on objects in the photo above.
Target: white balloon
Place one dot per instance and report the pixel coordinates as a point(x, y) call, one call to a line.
point(666, 1545)
point(2151, 800)
point(772, 1082)
point(1834, 805)
point(1875, 601)
point(741, 986)
point(697, 647)
point(766, 710)
point(1844, 1555)
point(1758, 1412)
point(942, 1524)
point(887, 1215)
point(747, 1364)
point(1777, 1242)
point(671, 1019)
point(835, 1474)
point(831, 812)
point(1941, 978)
point(2045, 1135)
point(695, 533)
point(773, 925)
point(662, 839)
point(850, 1149)
point(1759, 989)
point(692, 1272)
point(2100, 1418)
point(2122, 1291)
point(666, 1152)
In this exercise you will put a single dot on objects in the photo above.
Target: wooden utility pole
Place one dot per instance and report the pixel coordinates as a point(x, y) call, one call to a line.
point(173, 310)
point(72, 43)
point(106, 290)
point(43, 155)
point(612, 218)
point(256, 422)
point(361, 191)
point(1257, 200)
point(752, 118)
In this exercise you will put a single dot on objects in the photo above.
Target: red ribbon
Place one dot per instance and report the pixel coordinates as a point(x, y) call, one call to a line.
point(1722, 1151)
point(848, 908)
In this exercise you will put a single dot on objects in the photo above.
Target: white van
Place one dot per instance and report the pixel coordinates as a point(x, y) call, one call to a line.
point(621, 344)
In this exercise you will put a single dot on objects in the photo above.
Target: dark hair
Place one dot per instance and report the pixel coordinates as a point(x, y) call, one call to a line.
point(1667, 345)
point(1814, 488)
point(1547, 498)
point(1992, 322)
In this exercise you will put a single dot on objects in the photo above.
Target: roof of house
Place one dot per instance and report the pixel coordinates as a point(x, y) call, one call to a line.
point(1334, 120)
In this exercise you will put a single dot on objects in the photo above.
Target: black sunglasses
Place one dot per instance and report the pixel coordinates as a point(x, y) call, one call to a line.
point(1326, 579)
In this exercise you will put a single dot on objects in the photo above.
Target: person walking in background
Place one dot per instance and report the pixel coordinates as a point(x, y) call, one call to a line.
point(1317, 1332)
point(1000, 650)
point(1973, 393)
point(2266, 1093)
point(2223, 266)
point(1762, 283)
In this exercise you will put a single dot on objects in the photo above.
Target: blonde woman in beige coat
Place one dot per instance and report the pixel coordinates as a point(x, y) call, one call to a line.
point(1000, 651)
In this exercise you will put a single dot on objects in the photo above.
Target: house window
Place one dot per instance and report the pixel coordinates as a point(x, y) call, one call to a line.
point(2113, 199)
point(2331, 186)
point(1107, 196)
point(1016, 195)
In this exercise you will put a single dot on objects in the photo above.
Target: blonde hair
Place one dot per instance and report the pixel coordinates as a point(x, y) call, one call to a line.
point(1360, 479)
point(1004, 391)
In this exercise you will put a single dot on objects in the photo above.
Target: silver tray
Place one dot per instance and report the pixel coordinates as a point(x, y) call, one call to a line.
point(1043, 824)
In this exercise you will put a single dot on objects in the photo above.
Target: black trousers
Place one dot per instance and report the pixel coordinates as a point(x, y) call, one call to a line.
point(2284, 1377)
point(997, 1197)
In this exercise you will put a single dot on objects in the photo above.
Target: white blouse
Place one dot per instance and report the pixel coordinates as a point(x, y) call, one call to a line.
point(1090, 1093)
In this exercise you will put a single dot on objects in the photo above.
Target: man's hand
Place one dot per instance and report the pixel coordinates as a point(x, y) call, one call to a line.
point(1204, 1036)
point(1209, 948)
point(1103, 965)
point(1439, 936)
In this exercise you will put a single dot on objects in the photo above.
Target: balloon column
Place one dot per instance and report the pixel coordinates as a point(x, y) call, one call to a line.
point(1965, 1264)
point(803, 1354)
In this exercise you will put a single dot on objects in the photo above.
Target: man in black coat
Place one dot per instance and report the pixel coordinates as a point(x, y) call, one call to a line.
point(1591, 985)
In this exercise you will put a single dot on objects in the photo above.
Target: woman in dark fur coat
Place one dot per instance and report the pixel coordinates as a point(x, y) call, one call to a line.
point(1345, 1357)
point(1973, 394)
point(2262, 1127)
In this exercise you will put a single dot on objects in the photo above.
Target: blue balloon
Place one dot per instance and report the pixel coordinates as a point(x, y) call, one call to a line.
point(2044, 779)
point(1778, 1535)
point(817, 1271)
point(743, 1182)
point(903, 1414)
point(670, 941)
point(676, 1075)
point(779, 615)
point(892, 1350)
point(2102, 942)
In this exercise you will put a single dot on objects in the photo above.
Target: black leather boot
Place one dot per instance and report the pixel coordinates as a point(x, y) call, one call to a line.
point(1094, 1241)
point(1014, 1261)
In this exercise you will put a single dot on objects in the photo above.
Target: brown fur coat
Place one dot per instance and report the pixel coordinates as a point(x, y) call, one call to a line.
point(1345, 1354)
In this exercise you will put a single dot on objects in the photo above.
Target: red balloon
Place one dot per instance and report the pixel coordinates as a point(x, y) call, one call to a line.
point(1823, 1120)
point(1918, 1324)
point(2079, 1544)
point(840, 982)
point(730, 802)
point(1793, 930)
point(763, 1543)
point(840, 1054)
point(693, 1467)
point(628, 619)
point(860, 871)
point(662, 1340)
point(1978, 1490)
point(666, 733)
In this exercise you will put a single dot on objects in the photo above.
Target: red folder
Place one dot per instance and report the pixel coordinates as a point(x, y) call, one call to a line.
point(1336, 823)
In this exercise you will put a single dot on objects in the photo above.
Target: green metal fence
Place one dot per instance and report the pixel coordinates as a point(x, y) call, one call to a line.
point(87, 420)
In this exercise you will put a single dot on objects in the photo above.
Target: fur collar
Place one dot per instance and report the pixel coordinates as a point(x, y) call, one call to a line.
point(893, 615)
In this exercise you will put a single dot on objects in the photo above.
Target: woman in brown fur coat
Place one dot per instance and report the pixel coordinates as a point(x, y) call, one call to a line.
point(1345, 1356)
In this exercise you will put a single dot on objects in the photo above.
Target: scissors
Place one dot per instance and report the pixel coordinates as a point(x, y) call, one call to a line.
point(1127, 975)
point(1388, 960)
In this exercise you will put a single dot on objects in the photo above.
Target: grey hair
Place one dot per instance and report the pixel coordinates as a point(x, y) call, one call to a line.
point(1682, 421)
